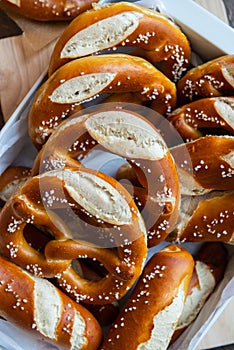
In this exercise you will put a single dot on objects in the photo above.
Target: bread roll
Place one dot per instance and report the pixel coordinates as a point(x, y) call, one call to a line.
point(210, 79)
point(149, 317)
point(156, 37)
point(34, 304)
point(206, 218)
point(205, 164)
point(211, 115)
point(86, 78)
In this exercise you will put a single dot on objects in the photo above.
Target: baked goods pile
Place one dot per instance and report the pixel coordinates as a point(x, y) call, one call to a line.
point(48, 10)
point(75, 240)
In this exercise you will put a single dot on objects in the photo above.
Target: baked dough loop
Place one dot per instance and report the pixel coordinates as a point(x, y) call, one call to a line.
point(86, 215)
point(134, 139)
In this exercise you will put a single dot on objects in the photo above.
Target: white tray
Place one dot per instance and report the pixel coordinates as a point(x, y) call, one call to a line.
point(204, 32)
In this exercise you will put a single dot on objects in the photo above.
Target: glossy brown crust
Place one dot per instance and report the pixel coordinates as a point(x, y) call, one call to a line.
point(157, 230)
point(201, 114)
point(157, 37)
point(158, 184)
point(18, 212)
point(155, 290)
point(104, 314)
point(207, 80)
point(18, 304)
point(13, 174)
point(31, 206)
point(48, 10)
point(210, 162)
point(215, 256)
point(212, 220)
point(131, 74)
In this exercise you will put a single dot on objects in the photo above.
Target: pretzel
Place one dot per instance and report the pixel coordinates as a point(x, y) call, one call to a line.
point(110, 228)
point(158, 297)
point(38, 307)
point(131, 136)
point(210, 264)
point(86, 78)
point(205, 170)
point(10, 179)
point(207, 115)
point(22, 209)
point(125, 24)
point(206, 218)
point(93, 271)
point(48, 10)
point(210, 79)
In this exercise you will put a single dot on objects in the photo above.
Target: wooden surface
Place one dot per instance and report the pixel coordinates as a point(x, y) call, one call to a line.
point(22, 62)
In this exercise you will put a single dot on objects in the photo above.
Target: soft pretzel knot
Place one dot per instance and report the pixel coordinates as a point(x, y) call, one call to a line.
point(85, 79)
point(48, 10)
point(210, 79)
point(210, 114)
point(132, 137)
point(125, 24)
point(87, 215)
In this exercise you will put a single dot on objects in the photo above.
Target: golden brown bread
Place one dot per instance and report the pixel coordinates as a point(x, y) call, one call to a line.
point(86, 214)
point(86, 78)
point(210, 79)
point(48, 10)
point(125, 24)
point(211, 115)
point(205, 164)
point(134, 138)
point(150, 315)
point(206, 218)
point(36, 305)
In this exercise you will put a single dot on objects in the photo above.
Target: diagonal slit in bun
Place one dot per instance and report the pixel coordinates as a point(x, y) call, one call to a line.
point(125, 25)
point(130, 136)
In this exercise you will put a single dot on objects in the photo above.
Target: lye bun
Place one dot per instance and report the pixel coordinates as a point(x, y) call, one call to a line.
point(85, 79)
point(149, 317)
point(209, 115)
point(155, 37)
point(210, 79)
point(206, 218)
point(203, 171)
point(36, 305)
